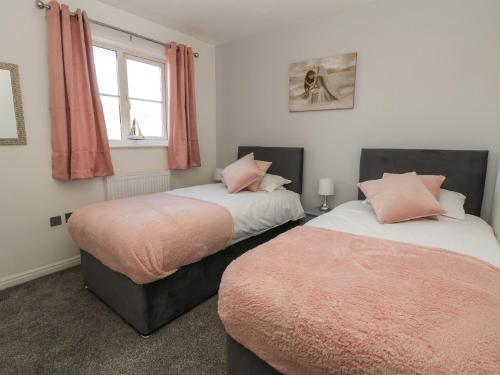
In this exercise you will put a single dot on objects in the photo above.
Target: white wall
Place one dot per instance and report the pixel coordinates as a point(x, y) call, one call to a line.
point(428, 77)
point(28, 194)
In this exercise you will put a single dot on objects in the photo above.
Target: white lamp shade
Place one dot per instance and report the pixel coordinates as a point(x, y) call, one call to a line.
point(326, 186)
point(217, 174)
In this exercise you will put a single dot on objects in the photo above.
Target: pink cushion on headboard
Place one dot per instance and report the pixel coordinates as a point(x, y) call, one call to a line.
point(400, 198)
point(241, 173)
point(263, 166)
point(431, 182)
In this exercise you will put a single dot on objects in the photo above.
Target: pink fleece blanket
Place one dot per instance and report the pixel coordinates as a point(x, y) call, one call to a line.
point(149, 237)
point(315, 301)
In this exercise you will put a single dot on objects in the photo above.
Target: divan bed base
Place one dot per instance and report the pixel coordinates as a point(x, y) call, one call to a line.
point(147, 307)
point(241, 361)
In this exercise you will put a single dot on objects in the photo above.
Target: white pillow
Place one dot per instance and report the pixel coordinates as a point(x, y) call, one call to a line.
point(272, 182)
point(452, 203)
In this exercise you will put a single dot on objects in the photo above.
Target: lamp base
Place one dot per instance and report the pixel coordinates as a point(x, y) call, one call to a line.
point(324, 207)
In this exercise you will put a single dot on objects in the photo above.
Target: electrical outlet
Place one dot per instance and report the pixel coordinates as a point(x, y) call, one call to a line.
point(55, 221)
point(67, 215)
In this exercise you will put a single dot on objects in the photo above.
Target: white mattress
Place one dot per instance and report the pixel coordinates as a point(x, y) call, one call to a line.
point(472, 236)
point(253, 212)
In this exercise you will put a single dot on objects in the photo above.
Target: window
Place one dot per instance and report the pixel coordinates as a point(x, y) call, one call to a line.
point(131, 87)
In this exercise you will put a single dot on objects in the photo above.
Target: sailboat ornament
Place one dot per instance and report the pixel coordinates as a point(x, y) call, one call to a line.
point(135, 131)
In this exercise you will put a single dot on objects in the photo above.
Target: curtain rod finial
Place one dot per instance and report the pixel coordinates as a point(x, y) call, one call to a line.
point(40, 4)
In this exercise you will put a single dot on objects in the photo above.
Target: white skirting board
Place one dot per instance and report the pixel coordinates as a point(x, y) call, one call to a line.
point(22, 277)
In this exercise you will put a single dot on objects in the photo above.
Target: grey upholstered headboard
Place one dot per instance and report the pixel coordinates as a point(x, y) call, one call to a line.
point(465, 171)
point(287, 162)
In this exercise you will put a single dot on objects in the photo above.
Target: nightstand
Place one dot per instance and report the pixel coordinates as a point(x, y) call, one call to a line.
point(311, 213)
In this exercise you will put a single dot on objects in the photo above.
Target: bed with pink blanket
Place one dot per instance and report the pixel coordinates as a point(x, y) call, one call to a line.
point(153, 257)
point(347, 295)
point(150, 237)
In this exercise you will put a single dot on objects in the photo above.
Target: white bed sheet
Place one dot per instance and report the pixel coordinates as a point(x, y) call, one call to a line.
point(472, 236)
point(253, 212)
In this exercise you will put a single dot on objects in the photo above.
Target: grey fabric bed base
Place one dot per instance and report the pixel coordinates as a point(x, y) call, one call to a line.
point(147, 307)
point(241, 361)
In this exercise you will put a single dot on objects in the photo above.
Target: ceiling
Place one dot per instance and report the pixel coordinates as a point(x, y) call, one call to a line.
point(220, 21)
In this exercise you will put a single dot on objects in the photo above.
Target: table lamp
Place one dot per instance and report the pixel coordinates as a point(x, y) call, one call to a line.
point(217, 176)
point(326, 188)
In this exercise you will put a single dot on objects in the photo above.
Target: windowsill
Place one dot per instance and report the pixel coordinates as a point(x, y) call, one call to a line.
point(137, 144)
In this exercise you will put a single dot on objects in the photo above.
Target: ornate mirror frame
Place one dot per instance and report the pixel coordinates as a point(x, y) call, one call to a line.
point(18, 106)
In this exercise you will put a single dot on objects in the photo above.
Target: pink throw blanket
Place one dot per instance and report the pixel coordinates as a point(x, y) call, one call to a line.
point(149, 237)
point(316, 301)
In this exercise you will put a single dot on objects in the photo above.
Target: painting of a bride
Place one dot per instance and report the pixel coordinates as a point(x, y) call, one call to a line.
point(326, 83)
point(315, 90)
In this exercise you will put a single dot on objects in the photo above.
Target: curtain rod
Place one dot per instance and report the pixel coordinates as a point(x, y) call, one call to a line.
point(40, 4)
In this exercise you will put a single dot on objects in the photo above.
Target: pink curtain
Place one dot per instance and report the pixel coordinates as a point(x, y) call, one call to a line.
point(183, 147)
point(80, 146)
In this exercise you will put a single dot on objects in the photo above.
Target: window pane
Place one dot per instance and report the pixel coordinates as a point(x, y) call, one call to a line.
point(105, 66)
point(111, 107)
point(144, 80)
point(149, 117)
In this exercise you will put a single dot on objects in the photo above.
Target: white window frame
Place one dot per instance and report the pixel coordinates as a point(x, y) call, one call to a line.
point(122, 54)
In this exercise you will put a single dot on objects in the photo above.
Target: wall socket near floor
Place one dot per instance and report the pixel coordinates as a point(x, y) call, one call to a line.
point(57, 220)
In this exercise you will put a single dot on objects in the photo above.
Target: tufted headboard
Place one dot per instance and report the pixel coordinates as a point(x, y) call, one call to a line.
point(287, 162)
point(465, 170)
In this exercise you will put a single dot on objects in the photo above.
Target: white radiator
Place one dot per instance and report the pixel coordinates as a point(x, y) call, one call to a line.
point(137, 184)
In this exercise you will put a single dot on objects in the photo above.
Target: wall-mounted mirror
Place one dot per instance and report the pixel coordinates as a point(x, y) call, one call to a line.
point(12, 130)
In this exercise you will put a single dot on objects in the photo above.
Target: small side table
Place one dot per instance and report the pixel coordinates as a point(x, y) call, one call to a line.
point(312, 213)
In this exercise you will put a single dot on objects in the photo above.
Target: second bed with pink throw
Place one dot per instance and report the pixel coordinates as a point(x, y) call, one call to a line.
point(316, 301)
point(149, 237)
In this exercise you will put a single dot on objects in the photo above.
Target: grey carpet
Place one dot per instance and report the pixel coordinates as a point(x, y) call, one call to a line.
point(54, 326)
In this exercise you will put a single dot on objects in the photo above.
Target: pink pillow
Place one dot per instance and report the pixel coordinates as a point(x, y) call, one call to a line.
point(431, 182)
point(241, 173)
point(400, 198)
point(263, 166)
